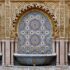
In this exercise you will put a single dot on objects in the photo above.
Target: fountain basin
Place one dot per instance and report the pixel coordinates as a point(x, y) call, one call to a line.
point(34, 59)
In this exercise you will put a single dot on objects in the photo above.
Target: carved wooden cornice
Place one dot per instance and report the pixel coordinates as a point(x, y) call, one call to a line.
point(2, 0)
point(15, 24)
point(31, 0)
point(35, 1)
point(38, 1)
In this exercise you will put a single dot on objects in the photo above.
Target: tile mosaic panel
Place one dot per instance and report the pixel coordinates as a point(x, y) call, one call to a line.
point(35, 34)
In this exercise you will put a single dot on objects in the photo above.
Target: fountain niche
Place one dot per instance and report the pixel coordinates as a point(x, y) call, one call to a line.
point(34, 40)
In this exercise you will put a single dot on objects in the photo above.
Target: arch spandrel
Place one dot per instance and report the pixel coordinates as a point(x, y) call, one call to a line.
point(14, 31)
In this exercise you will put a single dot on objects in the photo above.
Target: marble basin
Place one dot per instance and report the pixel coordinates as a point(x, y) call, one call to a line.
point(34, 59)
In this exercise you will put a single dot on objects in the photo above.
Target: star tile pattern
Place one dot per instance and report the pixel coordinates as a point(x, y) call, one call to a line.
point(35, 34)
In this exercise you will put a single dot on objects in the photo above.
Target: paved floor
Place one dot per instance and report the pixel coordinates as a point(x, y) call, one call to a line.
point(35, 68)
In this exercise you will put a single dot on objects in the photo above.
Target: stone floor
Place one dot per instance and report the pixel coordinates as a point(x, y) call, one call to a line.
point(34, 67)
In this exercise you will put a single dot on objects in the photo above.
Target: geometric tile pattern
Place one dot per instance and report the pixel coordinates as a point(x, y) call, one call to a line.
point(35, 32)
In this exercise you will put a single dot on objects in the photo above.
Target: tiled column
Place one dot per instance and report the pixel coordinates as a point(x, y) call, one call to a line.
point(12, 50)
point(57, 45)
point(0, 46)
point(7, 31)
point(62, 25)
point(69, 47)
point(62, 52)
point(3, 51)
point(66, 51)
point(53, 46)
point(7, 53)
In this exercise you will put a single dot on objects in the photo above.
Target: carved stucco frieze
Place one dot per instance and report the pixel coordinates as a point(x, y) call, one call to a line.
point(16, 7)
point(67, 21)
point(2, 19)
point(40, 7)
